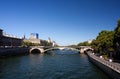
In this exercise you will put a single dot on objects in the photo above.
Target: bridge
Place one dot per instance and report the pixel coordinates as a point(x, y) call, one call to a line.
point(43, 49)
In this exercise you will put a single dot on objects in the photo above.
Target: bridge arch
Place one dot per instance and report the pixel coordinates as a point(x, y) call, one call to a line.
point(36, 50)
point(54, 48)
point(84, 49)
point(61, 48)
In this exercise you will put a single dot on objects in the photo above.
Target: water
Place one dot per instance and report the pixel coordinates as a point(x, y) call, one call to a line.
point(53, 65)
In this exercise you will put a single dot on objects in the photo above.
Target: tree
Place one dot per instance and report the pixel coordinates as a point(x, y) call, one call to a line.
point(117, 40)
point(108, 42)
point(27, 43)
point(84, 44)
point(117, 35)
point(46, 43)
point(104, 42)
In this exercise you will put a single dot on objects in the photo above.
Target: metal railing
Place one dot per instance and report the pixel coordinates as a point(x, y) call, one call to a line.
point(112, 65)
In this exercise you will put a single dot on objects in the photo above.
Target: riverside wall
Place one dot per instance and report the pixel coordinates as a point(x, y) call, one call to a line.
point(5, 52)
point(110, 68)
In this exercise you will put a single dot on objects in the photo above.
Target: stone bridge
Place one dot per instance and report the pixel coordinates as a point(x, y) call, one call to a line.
point(43, 49)
point(85, 48)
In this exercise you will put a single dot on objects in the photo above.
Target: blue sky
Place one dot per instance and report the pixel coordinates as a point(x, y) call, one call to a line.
point(64, 21)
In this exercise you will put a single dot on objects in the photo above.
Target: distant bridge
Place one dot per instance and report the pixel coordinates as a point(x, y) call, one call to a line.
point(43, 49)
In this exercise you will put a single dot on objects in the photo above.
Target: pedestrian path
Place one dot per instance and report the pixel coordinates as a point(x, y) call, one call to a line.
point(110, 64)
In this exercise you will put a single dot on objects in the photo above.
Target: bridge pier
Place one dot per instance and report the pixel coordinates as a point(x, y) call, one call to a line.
point(82, 50)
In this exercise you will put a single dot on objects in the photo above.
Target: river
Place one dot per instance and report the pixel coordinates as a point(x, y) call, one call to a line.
point(58, 64)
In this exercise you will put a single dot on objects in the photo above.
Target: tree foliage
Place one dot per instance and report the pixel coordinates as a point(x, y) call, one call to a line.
point(117, 40)
point(46, 43)
point(104, 42)
point(117, 35)
point(27, 43)
point(107, 42)
point(84, 43)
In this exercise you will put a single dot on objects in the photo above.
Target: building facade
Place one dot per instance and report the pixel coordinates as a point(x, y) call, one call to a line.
point(36, 41)
point(9, 40)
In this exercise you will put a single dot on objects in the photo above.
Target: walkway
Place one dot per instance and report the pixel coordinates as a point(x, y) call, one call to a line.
point(112, 65)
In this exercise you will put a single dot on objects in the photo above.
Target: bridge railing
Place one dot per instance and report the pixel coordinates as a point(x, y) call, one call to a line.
point(112, 65)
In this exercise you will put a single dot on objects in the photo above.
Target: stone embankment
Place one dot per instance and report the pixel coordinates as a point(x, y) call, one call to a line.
point(109, 67)
point(5, 52)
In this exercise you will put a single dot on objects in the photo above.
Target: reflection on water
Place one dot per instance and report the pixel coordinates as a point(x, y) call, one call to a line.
point(55, 64)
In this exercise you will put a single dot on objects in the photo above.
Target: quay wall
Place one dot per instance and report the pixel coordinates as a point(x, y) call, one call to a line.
point(110, 68)
point(5, 52)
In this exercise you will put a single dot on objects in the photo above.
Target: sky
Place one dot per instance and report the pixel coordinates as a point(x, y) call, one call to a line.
point(65, 21)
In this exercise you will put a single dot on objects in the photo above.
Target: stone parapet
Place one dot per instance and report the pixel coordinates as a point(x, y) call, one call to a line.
point(5, 52)
point(110, 68)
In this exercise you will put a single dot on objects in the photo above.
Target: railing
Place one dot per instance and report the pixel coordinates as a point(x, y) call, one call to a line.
point(10, 35)
point(112, 65)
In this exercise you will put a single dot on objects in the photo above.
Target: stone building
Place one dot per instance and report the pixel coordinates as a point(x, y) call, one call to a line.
point(35, 40)
point(34, 36)
point(7, 40)
point(1, 31)
point(11, 41)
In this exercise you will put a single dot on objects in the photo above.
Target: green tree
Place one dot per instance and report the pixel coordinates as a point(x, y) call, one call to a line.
point(46, 43)
point(27, 43)
point(117, 40)
point(84, 44)
point(108, 42)
point(117, 34)
point(104, 42)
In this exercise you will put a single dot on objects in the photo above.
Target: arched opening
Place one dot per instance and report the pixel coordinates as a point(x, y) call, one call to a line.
point(35, 51)
point(88, 50)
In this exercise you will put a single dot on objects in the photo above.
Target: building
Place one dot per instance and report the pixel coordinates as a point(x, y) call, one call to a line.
point(9, 40)
point(49, 40)
point(35, 41)
point(54, 44)
point(34, 38)
point(1, 34)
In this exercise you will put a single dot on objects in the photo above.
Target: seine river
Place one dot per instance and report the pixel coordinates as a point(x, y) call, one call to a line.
point(59, 64)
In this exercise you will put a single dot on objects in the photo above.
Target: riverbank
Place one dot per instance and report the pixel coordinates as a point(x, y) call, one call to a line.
point(110, 68)
point(5, 52)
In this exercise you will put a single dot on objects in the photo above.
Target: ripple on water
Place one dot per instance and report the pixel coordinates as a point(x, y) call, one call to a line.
point(55, 65)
